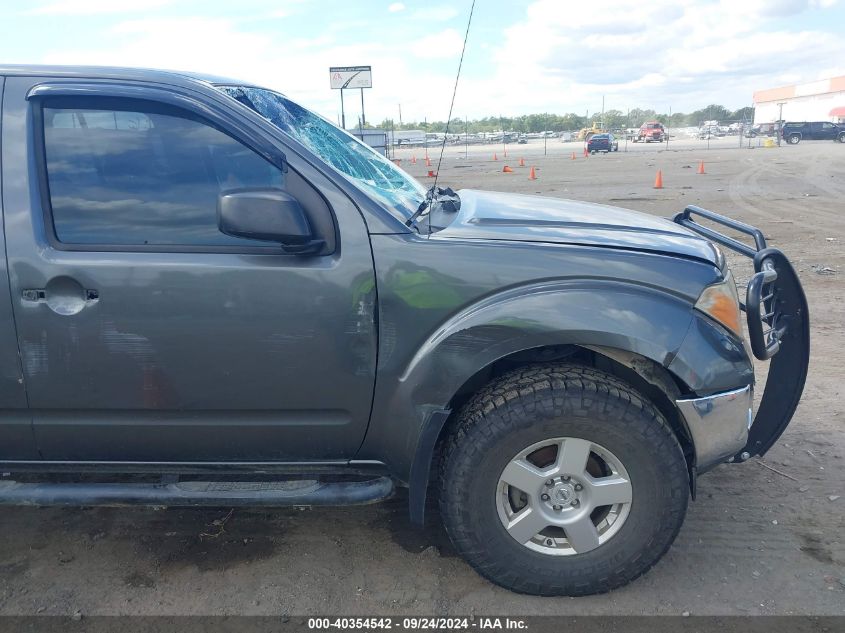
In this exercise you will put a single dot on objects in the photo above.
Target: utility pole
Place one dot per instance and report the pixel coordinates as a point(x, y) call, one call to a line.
point(602, 112)
point(400, 116)
point(780, 120)
point(425, 137)
point(342, 111)
point(667, 131)
point(545, 132)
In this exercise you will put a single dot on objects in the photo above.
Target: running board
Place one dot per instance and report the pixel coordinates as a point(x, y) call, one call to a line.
point(308, 492)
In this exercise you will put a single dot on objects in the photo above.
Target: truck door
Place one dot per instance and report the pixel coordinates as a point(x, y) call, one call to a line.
point(828, 131)
point(16, 439)
point(146, 333)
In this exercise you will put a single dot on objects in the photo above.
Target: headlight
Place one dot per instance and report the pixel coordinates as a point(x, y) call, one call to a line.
point(721, 302)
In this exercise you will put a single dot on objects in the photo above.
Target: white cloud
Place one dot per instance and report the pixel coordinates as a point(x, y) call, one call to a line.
point(93, 7)
point(677, 53)
point(222, 47)
point(435, 14)
point(396, 7)
point(446, 43)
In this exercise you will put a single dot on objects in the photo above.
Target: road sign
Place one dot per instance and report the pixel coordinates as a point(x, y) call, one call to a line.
point(343, 77)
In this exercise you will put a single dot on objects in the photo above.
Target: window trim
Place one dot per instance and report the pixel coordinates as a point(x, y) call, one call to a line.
point(41, 95)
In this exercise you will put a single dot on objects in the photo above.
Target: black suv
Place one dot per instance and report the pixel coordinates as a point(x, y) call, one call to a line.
point(815, 131)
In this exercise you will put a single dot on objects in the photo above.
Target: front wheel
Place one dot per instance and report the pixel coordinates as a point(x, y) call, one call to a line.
point(841, 137)
point(794, 139)
point(562, 480)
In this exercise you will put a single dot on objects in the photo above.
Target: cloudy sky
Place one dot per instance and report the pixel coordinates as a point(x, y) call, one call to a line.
point(522, 56)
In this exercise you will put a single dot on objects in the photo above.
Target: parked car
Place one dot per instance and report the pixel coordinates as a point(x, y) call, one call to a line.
point(651, 131)
point(710, 131)
point(762, 129)
point(602, 143)
point(794, 133)
point(214, 290)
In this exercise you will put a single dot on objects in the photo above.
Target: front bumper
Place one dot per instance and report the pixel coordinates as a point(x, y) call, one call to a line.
point(718, 424)
point(778, 322)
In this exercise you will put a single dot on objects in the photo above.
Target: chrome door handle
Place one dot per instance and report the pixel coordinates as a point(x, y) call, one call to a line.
point(63, 295)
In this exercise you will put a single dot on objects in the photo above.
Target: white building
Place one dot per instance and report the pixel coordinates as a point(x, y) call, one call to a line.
point(822, 100)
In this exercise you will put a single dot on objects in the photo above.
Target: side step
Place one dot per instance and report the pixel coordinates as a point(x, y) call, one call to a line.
point(198, 493)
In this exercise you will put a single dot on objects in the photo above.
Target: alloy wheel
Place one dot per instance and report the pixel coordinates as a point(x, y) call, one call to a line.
point(563, 496)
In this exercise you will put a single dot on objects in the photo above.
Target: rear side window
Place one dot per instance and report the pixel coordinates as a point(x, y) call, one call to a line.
point(139, 174)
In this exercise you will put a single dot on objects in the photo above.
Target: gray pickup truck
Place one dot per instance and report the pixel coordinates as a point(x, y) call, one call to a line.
point(213, 297)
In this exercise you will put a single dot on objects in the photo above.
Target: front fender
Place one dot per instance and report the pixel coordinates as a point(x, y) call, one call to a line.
point(635, 318)
point(638, 319)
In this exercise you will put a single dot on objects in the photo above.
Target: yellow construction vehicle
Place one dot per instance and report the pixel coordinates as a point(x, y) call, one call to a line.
point(584, 134)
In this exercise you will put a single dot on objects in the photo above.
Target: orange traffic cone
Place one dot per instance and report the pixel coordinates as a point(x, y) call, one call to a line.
point(431, 173)
point(495, 157)
point(522, 162)
point(701, 167)
point(507, 170)
point(427, 161)
point(658, 180)
point(413, 160)
point(573, 155)
point(533, 174)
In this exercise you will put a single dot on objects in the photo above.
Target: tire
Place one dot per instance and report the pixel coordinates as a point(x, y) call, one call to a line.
point(794, 139)
point(562, 405)
point(841, 137)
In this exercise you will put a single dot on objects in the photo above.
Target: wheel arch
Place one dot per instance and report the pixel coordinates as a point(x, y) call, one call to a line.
point(415, 395)
point(646, 376)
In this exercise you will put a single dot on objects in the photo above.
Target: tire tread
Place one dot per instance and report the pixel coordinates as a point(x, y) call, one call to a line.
point(506, 404)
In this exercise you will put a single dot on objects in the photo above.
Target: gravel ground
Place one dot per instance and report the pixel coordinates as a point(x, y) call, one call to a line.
point(759, 539)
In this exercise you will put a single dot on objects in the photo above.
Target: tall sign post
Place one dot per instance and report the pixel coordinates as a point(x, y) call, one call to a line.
point(780, 120)
point(343, 77)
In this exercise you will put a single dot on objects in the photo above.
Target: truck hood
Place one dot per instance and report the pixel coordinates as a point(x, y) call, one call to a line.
point(487, 215)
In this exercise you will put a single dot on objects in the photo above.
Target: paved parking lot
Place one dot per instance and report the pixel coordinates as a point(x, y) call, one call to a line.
point(762, 538)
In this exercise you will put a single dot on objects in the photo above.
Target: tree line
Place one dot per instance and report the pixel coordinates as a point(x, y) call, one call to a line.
point(612, 119)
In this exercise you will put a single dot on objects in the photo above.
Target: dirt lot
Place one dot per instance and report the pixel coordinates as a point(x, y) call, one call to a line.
point(756, 541)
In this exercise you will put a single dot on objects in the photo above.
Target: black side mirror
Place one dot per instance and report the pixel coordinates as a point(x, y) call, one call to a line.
point(270, 215)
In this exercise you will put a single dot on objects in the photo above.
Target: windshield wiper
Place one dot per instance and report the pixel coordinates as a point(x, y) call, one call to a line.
point(447, 198)
point(428, 200)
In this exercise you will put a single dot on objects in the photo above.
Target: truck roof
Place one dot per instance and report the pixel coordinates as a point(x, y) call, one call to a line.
point(116, 72)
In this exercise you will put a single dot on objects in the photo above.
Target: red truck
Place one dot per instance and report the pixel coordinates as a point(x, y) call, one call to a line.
point(651, 131)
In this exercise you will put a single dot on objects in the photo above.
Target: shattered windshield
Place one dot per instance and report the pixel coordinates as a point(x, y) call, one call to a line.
point(355, 160)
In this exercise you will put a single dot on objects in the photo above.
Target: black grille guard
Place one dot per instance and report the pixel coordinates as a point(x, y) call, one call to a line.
point(778, 326)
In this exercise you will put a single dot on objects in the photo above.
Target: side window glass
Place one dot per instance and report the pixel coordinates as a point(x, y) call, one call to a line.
point(139, 174)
